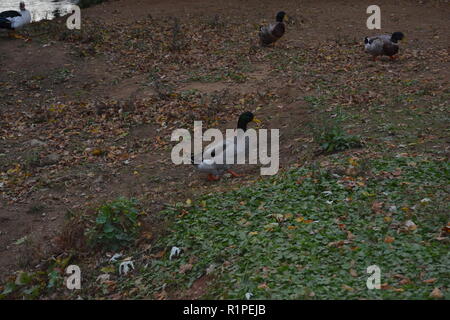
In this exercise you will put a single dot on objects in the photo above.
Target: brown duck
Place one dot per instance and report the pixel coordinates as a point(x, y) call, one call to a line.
point(271, 33)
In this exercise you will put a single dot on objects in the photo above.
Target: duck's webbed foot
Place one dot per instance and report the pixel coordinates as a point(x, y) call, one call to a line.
point(234, 174)
point(14, 35)
point(212, 177)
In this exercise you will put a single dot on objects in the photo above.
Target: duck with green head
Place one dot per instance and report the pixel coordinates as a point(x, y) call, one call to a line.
point(210, 164)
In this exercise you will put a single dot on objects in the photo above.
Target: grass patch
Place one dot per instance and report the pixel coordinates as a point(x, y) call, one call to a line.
point(311, 233)
point(329, 133)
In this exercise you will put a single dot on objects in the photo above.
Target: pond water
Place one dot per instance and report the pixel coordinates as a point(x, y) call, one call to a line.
point(40, 9)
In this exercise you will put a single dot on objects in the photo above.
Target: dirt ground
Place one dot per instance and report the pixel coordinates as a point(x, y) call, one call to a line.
point(47, 150)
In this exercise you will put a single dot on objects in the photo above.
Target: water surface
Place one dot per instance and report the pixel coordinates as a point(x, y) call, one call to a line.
point(40, 9)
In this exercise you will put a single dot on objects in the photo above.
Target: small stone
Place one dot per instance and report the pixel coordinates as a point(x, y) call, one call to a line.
point(52, 158)
point(36, 143)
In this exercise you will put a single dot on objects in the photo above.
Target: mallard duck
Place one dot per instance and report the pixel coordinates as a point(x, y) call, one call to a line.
point(12, 20)
point(383, 45)
point(271, 33)
point(209, 165)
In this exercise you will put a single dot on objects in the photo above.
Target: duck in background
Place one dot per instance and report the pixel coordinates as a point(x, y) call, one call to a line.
point(12, 20)
point(273, 32)
point(386, 44)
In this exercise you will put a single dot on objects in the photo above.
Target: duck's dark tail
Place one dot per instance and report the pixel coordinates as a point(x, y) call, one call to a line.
point(397, 36)
point(5, 24)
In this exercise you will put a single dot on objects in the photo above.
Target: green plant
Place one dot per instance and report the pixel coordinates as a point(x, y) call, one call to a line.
point(336, 139)
point(330, 134)
point(32, 284)
point(116, 224)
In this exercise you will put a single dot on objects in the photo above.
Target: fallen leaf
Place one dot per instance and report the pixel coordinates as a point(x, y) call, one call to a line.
point(405, 281)
point(432, 280)
point(410, 225)
point(376, 206)
point(158, 255)
point(436, 293)
point(185, 267)
point(97, 152)
point(263, 286)
point(346, 287)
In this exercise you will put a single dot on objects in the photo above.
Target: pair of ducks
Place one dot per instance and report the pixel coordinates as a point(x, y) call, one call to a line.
point(376, 46)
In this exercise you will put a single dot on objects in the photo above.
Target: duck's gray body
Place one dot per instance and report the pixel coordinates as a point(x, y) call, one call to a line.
point(381, 45)
point(274, 31)
point(271, 33)
point(12, 20)
point(209, 163)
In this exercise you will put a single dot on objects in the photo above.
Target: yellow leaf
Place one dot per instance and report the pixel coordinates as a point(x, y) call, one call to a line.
point(346, 287)
point(288, 216)
point(353, 161)
point(109, 269)
point(97, 152)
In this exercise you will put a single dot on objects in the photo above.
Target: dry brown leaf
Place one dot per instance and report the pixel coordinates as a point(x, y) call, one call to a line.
point(263, 286)
point(377, 206)
point(432, 280)
point(436, 293)
point(185, 267)
point(346, 287)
